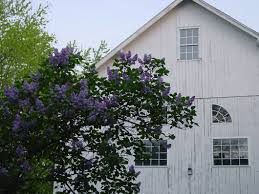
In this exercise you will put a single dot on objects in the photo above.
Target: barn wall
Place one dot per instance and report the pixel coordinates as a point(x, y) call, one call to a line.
point(226, 74)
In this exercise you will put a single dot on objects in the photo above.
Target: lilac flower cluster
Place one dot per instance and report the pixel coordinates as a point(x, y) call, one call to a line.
point(39, 106)
point(60, 58)
point(145, 76)
point(30, 87)
point(127, 57)
point(11, 93)
point(178, 98)
point(113, 74)
point(24, 103)
point(61, 91)
point(146, 59)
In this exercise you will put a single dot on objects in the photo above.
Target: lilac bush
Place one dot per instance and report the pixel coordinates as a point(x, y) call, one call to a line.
point(79, 130)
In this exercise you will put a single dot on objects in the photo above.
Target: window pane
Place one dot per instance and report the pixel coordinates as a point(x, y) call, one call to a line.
point(234, 141)
point(138, 162)
point(195, 32)
point(189, 32)
point(183, 41)
point(243, 148)
point(226, 155)
point(147, 143)
point(155, 149)
point(183, 49)
point(183, 33)
point(183, 56)
point(225, 148)
point(235, 162)
point(147, 163)
point(163, 156)
point(226, 142)
point(195, 49)
point(163, 162)
point(226, 162)
point(234, 148)
point(189, 49)
point(234, 154)
point(243, 162)
point(154, 162)
point(154, 155)
point(216, 141)
point(195, 55)
point(216, 155)
point(189, 40)
point(217, 149)
point(243, 141)
point(189, 55)
point(195, 40)
point(217, 162)
point(243, 154)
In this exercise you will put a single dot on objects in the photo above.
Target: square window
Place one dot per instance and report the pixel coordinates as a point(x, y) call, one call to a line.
point(230, 151)
point(155, 155)
point(189, 44)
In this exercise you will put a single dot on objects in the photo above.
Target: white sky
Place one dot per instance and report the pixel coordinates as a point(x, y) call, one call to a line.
point(90, 21)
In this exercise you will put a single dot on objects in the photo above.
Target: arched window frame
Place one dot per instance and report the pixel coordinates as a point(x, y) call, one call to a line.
point(220, 114)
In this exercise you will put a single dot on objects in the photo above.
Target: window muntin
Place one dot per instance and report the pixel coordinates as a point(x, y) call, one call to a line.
point(220, 115)
point(156, 152)
point(189, 44)
point(230, 152)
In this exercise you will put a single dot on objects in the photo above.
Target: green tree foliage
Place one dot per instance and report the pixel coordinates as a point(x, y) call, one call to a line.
point(24, 43)
point(80, 130)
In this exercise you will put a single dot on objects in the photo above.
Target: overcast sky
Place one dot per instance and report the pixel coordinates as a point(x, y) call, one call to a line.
point(90, 21)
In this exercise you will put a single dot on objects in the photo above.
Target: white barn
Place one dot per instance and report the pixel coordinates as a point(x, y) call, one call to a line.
point(216, 58)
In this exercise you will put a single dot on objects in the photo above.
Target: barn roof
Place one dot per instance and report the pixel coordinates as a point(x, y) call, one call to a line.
point(174, 4)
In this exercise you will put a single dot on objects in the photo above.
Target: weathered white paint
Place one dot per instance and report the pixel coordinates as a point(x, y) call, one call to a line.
point(226, 74)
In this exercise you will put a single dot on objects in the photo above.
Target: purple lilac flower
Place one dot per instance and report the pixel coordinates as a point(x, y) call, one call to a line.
point(190, 101)
point(140, 61)
point(39, 105)
point(16, 123)
point(100, 106)
point(3, 171)
point(122, 56)
point(166, 91)
point(61, 91)
point(112, 74)
point(147, 59)
point(60, 58)
point(92, 116)
point(147, 89)
point(125, 77)
point(132, 169)
point(6, 110)
point(135, 58)
point(79, 100)
point(77, 145)
point(20, 151)
point(11, 93)
point(30, 87)
point(26, 166)
point(128, 55)
point(24, 103)
point(83, 84)
point(145, 76)
point(88, 164)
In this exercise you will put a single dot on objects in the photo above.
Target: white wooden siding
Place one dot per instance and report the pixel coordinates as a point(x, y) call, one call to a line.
point(228, 75)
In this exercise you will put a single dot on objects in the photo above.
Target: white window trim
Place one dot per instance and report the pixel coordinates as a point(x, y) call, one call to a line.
point(178, 29)
point(232, 166)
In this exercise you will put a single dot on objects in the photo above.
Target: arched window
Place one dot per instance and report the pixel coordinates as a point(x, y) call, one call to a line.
point(220, 115)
